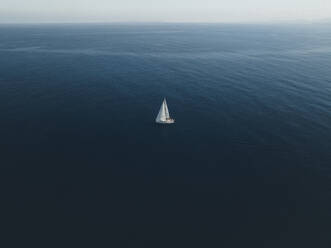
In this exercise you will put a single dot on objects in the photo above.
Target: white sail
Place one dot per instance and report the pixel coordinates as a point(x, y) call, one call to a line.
point(163, 117)
point(166, 109)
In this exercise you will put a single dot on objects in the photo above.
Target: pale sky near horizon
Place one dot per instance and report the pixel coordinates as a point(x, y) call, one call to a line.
point(25, 11)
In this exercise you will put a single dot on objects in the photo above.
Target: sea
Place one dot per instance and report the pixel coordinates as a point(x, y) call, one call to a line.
point(247, 163)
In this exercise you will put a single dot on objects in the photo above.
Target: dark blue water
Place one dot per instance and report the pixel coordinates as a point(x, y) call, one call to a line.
point(247, 164)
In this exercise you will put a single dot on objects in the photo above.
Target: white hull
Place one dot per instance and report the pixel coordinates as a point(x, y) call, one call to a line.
point(171, 121)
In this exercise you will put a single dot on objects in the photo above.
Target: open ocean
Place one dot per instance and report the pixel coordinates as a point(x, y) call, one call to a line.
point(247, 164)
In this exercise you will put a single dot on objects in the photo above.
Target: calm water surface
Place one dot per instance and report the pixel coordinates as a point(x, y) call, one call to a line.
point(247, 164)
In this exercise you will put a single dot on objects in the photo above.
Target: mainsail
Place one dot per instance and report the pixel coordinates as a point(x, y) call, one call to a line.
point(166, 109)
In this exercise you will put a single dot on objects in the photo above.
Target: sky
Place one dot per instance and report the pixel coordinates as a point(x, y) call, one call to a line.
point(26, 11)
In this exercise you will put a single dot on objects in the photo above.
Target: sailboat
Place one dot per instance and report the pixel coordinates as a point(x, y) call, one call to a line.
point(163, 117)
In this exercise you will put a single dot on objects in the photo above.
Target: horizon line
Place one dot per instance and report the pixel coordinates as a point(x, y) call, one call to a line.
point(298, 21)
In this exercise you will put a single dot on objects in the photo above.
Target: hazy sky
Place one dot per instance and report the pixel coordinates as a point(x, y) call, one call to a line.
point(162, 10)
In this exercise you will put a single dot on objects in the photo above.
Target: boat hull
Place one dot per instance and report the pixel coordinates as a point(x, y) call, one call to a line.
point(166, 122)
